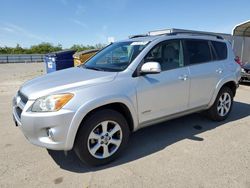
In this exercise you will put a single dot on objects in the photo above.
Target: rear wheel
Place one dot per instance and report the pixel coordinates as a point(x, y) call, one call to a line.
point(222, 105)
point(102, 137)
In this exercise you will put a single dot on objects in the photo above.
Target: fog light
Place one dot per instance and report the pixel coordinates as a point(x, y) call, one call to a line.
point(50, 133)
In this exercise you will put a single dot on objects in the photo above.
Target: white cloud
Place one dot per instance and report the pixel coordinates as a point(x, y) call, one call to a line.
point(80, 23)
point(10, 28)
point(7, 29)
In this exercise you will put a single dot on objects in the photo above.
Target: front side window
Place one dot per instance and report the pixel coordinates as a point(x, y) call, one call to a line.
point(169, 54)
point(198, 51)
point(116, 57)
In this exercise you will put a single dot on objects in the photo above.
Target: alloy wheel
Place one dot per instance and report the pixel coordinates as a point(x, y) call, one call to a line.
point(105, 139)
point(224, 104)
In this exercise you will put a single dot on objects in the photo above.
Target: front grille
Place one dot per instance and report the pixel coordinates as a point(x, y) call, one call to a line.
point(24, 99)
point(19, 112)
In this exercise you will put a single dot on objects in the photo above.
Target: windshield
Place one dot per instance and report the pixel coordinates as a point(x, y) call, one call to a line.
point(115, 57)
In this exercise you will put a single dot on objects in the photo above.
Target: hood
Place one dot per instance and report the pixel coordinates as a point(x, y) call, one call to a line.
point(246, 66)
point(64, 80)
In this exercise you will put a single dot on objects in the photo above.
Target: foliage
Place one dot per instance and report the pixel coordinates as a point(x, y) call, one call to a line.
point(8, 50)
point(44, 48)
point(80, 47)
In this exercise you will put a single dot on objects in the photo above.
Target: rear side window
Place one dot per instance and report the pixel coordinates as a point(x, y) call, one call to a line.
point(198, 51)
point(220, 49)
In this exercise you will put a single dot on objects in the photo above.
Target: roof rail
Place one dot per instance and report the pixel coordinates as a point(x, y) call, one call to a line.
point(174, 31)
point(136, 36)
point(195, 33)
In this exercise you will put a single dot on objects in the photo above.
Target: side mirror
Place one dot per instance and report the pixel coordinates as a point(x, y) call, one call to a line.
point(151, 68)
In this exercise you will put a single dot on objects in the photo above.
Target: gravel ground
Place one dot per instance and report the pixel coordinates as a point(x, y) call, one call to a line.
point(190, 151)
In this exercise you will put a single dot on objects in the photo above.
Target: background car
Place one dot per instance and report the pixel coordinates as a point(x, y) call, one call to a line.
point(245, 72)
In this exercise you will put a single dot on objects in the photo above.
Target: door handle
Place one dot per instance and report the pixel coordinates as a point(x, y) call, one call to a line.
point(183, 77)
point(219, 70)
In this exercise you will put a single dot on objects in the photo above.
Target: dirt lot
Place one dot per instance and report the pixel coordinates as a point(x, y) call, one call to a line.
point(186, 152)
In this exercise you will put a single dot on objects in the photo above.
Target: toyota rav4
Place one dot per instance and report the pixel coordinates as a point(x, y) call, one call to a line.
point(126, 86)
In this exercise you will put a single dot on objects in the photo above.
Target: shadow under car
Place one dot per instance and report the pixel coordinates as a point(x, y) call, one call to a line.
point(154, 138)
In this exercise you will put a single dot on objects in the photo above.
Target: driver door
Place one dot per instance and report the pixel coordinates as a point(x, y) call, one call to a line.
point(166, 93)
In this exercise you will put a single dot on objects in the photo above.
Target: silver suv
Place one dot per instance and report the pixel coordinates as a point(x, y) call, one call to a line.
point(126, 86)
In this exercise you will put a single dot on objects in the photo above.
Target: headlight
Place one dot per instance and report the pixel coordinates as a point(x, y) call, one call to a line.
point(242, 70)
point(51, 103)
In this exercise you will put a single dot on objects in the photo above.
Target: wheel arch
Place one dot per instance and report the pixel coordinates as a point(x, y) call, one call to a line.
point(232, 84)
point(123, 106)
point(116, 106)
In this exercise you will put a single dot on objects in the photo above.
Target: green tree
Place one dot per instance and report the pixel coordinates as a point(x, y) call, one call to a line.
point(18, 50)
point(4, 50)
point(100, 46)
point(80, 47)
point(44, 48)
point(9, 50)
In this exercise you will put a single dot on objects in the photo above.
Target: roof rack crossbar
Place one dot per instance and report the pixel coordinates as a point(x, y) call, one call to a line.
point(195, 33)
point(136, 36)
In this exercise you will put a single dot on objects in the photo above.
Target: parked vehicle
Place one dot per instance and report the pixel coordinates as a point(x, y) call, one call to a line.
point(237, 60)
point(245, 72)
point(81, 57)
point(128, 85)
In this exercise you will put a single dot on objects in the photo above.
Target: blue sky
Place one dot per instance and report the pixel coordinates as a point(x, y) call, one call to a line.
point(69, 22)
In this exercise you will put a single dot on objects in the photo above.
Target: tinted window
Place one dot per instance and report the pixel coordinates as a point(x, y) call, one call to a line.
point(220, 49)
point(198, 51)
point(169, 54)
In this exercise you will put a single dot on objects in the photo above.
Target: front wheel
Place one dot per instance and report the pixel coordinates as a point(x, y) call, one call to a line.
point(101, 137)
point(222, 105)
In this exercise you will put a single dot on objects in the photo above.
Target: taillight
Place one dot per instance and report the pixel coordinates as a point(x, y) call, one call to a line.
point(237, 60)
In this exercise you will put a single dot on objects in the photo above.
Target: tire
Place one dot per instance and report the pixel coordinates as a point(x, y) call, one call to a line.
point(95, 146)
point(215, 112)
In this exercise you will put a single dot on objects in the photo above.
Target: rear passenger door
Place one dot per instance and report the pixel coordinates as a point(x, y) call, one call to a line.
point(205, 70)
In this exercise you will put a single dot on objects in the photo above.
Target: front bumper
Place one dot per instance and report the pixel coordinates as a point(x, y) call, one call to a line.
point(245, 77)
point(45, 129)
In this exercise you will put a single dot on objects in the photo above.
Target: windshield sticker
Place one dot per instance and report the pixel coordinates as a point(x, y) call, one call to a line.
point(139, 43)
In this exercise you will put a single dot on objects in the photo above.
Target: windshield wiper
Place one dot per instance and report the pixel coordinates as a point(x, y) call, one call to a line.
point(106, 69)
point(94, 68)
